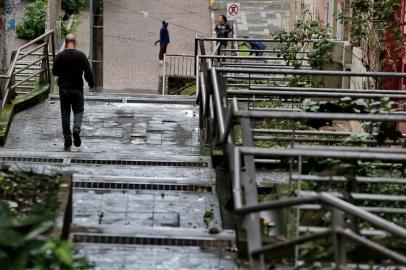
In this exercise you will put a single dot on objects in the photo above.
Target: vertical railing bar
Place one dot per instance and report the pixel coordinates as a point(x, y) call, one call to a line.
point(164, 76)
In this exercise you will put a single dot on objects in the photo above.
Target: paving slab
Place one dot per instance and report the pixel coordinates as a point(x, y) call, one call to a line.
point(160, 257)
point(130, 208)
point(110, 127)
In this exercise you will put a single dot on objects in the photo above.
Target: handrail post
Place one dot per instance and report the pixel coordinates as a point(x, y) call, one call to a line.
point(196, 53)
point(251, 222)
point(337, 223)
point(44, 78)
point(52, 79)
point(164, 75)
point(197, 72)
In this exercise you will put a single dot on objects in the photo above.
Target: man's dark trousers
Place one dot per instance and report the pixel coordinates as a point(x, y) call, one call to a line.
point(162, 51)
point(71, 99)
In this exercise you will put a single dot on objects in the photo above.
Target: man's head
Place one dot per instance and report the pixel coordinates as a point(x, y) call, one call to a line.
point(165, 23)
point(70, 41)
point(222, 19)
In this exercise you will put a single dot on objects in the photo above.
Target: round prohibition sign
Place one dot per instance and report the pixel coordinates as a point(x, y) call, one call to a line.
point(233, 10)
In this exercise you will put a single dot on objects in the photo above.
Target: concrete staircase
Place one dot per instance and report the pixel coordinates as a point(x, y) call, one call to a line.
point(141, 188)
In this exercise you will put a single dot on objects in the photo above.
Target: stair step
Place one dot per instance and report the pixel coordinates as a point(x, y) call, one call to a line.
point(109, 159)
point(102, 182)
point(156, 236)
point(151, 99)
point(149, 208)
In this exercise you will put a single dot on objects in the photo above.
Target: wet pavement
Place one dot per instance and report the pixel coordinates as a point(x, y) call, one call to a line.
point(125, 128)
point(144, 208)
point(143, 196)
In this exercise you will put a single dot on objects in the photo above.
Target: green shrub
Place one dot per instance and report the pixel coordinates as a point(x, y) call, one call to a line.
point(25, 244)
point(33, 24)
point(72, 6)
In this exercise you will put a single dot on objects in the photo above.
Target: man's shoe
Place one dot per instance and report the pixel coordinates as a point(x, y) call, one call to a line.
point(68, 144)
point(76, 139)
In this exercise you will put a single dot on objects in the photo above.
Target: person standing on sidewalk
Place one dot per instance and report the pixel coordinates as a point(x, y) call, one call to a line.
point(222, 30)
point(70, 65)
point(163, 40)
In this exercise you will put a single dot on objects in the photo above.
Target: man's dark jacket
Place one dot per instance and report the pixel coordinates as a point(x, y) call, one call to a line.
point(222, 30)
point(164, 36)
point(69, 66)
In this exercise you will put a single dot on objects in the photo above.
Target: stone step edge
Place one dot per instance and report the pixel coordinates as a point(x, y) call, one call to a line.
point(66, 157)
point(143, 179)
point(133, 99)
point(155, 236)
point(125, 186)
point(106, 162)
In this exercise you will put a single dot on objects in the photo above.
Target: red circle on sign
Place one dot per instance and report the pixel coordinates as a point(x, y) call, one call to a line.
point(233, 10)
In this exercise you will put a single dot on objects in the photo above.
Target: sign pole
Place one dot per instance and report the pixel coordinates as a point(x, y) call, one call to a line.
point(97, 43)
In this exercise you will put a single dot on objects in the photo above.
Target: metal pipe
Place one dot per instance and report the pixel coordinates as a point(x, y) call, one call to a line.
point(313, 72)
point(327, 152)
point(33, 50)
point(265, 51)
point(359, 179)
point(97, 42)
point(396, 117)
point(276, 204)
point(318, 140)
point(202, 93)
point(30, 65)
point(239, 57)
point(237, 179)
point(13, 64)
point(299, 94)
point(365, 215)
point(332, 201)
point(26, 79)
point(311, 89)
point(261, 64)
point(292, 242)
point(390, 150)
point(217, 103)
point(372, 245)
point(164, 76)
point(258, 39)
point(311, 132)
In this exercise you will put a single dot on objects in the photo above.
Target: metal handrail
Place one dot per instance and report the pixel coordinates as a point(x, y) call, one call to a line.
point(270, 40)
point(180, 69)
point(381, 117)
point(14, 62)
point(9, 87)
point(311, 89)
point(331, 201)
point(221, 115)
point(311, 72)
point(303, 94)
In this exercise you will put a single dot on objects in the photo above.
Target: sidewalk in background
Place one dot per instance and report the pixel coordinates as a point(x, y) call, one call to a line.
point(132, 27)
point(258, 18)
